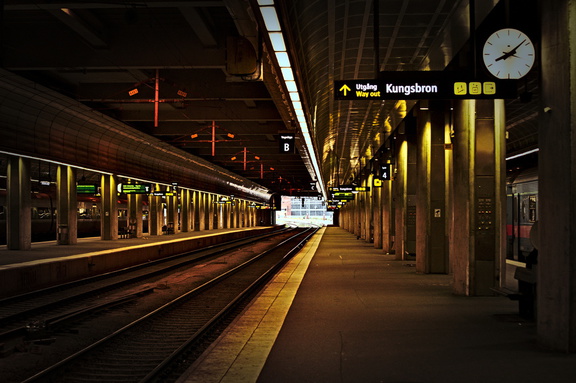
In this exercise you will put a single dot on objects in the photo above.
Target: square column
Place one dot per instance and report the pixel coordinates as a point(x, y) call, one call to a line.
point(405, 191)
point(172, 220)
point(556, 269)
point(18, 215)
point(66, 206)
point(431, 209)
point(367, 212)
point(135, 215)
point(388, 217)
point(376, 213)
point(185, 210)
point(109, 205)
point(196, 205)
point(477, 234)
point(155, 213)
point(202, 212)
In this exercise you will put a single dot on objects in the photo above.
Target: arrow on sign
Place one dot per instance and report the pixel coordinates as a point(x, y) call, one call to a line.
point(344, 89)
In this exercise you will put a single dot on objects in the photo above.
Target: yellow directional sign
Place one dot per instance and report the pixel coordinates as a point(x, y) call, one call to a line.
point(345, 89)
point(424, 85)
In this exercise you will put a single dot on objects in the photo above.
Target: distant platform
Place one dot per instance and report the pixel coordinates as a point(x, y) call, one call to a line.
point(48, 263)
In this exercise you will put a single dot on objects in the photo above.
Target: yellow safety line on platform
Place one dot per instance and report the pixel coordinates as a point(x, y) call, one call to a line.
point(240, 352)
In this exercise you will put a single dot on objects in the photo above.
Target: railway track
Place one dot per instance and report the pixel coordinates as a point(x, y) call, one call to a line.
point(148, 347)
point(19, 311)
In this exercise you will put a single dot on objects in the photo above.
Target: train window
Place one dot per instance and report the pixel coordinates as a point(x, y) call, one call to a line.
point(532, 203)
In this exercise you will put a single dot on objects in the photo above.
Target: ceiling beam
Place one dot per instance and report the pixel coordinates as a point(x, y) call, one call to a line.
point(53, 5)
point(77, 23)
point(199, 26)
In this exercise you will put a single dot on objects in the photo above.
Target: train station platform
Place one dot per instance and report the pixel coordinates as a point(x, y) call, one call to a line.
point(342, 311)
point(48, 263)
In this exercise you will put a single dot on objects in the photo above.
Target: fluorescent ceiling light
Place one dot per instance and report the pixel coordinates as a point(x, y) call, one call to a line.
point(294, 96)
point(283, 59)
point(291, 86)
point(270, 19)
point(277, 41)
point(287, 74)
point(272, 24)
point(522, 154)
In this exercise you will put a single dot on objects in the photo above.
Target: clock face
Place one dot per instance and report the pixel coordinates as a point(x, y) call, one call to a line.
point(508, 54)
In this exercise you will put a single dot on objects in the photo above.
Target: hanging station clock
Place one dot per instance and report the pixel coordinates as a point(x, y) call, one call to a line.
point(508, 54)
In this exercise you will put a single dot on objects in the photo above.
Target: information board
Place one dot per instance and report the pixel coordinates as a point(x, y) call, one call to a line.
point(87, 189)
point(343, 196)
point(424, 85)
point(134, 188)
point(287, 143)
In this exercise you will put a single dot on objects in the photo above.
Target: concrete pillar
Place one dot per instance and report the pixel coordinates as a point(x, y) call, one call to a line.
point(343, 218)
point(18, 202)
point(213, 207)
point(197, 205)
point(221, 215)
point(236, 214)
point(155, 221)
point(368, 211)
point(252, 221)
point(377, 214)
point(239, 212)
point(411, 185)
point(399, 199)
point(361, 206)
point(431, 225)
point(185, 211)
point(357, 218)
point(556, 271)
point(109, 202)
point(207, 212)
point(248, 216)
point(172, 211)
point(477, 236)
point(66, 206)
point(135, 215)
point(201, 211)
point(388, 217)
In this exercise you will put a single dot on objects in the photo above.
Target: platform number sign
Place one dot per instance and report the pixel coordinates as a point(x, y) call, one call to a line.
point(385, 172)
point(286, 143)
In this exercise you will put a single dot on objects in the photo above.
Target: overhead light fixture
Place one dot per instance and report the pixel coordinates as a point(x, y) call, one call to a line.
point(522, 154)
point(277, 41)
point(274, 29)
point(270, 18)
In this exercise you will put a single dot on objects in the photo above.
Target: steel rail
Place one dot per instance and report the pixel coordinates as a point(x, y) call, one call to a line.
point(46, 374)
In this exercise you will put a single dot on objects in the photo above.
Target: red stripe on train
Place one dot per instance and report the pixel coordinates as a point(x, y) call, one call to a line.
point(521, 231)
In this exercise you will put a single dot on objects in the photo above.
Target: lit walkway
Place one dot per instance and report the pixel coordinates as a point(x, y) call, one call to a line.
point(360, 316)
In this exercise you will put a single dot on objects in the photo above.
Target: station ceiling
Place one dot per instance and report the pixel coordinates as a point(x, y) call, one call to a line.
point(111, 56)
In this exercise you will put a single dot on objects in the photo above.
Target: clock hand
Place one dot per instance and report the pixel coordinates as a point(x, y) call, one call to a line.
point(511, 53)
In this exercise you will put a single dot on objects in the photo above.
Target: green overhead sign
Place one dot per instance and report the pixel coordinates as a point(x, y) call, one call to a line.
point(133, 188)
